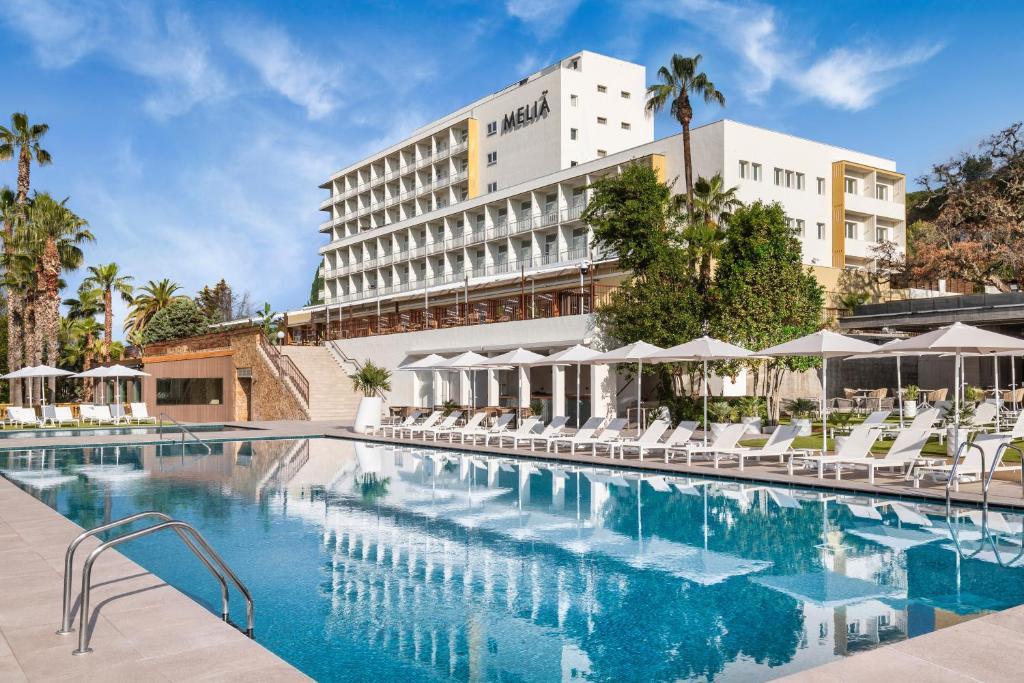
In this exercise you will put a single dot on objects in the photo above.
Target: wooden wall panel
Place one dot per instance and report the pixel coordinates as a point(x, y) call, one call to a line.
point(207, 367)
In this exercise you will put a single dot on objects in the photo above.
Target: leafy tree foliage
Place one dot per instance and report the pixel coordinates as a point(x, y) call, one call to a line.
point(316, 289)
point(220, 303)
point(763, 294)
point(179, 319)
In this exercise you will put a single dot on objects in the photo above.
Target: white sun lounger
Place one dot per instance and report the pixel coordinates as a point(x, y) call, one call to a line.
point(985, 416)
point(586, 432)
point(101, 415)
point(777, 446)
point(57, 416)
point(904, 453)
point(525, 430)
point(450, 431)
point(554, 428)
point(499, 426)
point(447, 424)
point(651, 436)
point(22, 417)
point(925, 419)
point(607, 437)
point(726, 439)
point(857, 445)
point(140, 413)
point(985, 447)
point(407, 422)
point(431, 420)
point(678, 439)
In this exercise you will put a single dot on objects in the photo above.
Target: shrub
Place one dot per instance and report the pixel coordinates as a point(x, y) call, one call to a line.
point(372, 379)
point(178, 320)
point(801, 408)
point(721, 411)
point(911, 392)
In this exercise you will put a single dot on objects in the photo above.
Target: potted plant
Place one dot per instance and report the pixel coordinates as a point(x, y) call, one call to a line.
point(954, 436)
point(910, 395)
point(751, 409)
point(720, 413)
point(448, 407)
point(800, 411)
point(373, 381)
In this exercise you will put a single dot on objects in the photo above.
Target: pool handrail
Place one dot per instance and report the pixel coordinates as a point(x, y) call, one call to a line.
point(184, 430)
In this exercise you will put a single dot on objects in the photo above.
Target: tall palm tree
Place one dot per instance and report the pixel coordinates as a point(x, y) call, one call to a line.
point(54, 237)
point(108, 279)
point(22, 138)
point(153, 297)
point(713, 203)
point(12, 216)
point(679, 80)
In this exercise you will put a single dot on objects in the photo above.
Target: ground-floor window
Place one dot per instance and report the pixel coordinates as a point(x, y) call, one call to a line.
point(180, 391)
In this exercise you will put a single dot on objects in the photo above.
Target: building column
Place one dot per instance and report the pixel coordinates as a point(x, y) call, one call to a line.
point(602, 390)
point(524, 386)
point(436, 388)
point(465, 377)
point(492, 387)
point(557, 390)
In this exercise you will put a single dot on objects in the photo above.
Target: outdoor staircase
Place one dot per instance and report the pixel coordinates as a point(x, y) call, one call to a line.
point(331, 396)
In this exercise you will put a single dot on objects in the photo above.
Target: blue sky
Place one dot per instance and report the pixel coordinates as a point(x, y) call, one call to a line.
point(193, 136)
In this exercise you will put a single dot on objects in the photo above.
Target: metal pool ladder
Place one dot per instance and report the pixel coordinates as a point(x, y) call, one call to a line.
point(184, 430)
point(192, 539)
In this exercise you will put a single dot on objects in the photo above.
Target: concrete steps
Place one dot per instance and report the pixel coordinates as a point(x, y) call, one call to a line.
point(331, 396)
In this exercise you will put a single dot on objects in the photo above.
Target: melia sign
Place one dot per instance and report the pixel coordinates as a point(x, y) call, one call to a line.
point(525, 115)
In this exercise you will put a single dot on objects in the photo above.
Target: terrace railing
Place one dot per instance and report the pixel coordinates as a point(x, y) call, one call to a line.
point(286, 369)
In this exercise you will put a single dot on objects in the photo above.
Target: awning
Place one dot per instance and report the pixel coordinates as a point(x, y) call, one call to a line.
point(299, 318)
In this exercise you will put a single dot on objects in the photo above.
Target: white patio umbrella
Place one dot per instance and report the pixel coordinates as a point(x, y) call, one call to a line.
point(432, 361)
point(36, 372)
point(959, 339)
point(113, 372)
point(637, 352)
point(824, 344)
point(703, 349)
point(513, 359)
point(578, 355)
point(886, 350)
point(467, 360)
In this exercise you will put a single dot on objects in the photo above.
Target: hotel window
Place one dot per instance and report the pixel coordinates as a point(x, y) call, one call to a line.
point(602, 120)
point(882, 192)
point(821, 231)
point(881, 234)
point(575, 64)
point(602, 153)
point(579, 241)
point(779, 175)
point(850, 185)
point(851, 230)
point(573, 133)
point(602, 88)
point(744, 169)
point(174, 391)
point(756, 172)
point(574, 100)
point(492, 128)
point(492, 187)
point(625, 94)
point(799, 181)
point(573, 163)
point(625, 126)
point(492, 158)
point(789, 179)
point(821, 186)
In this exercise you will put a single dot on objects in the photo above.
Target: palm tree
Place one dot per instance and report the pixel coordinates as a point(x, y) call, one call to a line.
point(152, 298)
point(54, 237)
point(108, 279)
point(713, 203)
point(12, 216)
point(678, 81)
point(82, 311)
point(22, 138)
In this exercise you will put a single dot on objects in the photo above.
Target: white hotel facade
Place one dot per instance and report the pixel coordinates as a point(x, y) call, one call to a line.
point(467, 234)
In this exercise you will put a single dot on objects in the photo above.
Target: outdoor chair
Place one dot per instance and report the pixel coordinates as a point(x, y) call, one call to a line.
point(778, 445)
point(140, 413)
point(651, 436)
point(445, 425)
point(974, 458)
point(525, 430)
point(679, 437)
point(904, 453)
point(857, 445)
point(57, 416)
point(726, 439)
point(587, 431)
point(414, 429)
point(393, 428)
point(22, 417)
point(499, 426)
point(554, 428)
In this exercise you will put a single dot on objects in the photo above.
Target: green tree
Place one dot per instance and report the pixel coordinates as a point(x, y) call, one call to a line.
point(108, 279)
point(178, 320)
point(150, 299)
point(266, 319)
point(679, 80)
point(316, 289)
point(22, 139)
point(12, 214)
point(216, 302)
point(763, 293)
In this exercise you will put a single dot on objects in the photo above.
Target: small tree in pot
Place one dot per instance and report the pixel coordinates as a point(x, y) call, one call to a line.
point(373, 381)
point(720, 413)
point(752, 411)
point(800, 410)
point(910, 395)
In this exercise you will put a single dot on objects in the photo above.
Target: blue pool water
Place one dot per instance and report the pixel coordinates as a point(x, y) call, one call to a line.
point(108, 431)
point(372, 562)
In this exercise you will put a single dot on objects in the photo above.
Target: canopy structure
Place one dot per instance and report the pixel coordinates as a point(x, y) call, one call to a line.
point(467, 360)
point(959, 339)
point(824, 344)
point(887, 350)
point(515, 358)
point(112, 372)
point(430, 362)
point(703, 349)
point(578, 355)
point(637, 352)
point(36, 372)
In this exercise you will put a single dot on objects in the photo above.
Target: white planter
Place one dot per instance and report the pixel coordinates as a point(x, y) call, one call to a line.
point(716, 429)
point(910, 408)
point(804, 423)
point(952, 442)
point(368, 414)
point(753, 424)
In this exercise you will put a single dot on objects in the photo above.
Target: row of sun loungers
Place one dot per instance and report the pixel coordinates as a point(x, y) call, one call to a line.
point(853, 452)
point(60, 416)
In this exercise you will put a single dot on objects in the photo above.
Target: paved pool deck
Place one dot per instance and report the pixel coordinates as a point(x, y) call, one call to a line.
point(142, 628)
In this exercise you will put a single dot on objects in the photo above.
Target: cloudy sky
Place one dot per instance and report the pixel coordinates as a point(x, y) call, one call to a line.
point(193, 136)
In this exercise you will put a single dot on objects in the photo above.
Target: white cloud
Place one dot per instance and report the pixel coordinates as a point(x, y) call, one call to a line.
point(163, 46)
point(848, 77)
point(544, 17)
point(288, 70)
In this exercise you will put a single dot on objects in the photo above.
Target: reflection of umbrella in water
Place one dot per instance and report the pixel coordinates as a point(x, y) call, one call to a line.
point(897, 538)
point(111, 473)
point(826, 588)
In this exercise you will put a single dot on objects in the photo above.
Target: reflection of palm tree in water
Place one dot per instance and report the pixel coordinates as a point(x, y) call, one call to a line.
point(371, 486)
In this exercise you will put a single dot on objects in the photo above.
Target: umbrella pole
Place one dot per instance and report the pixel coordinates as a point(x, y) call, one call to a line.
point(956, 404)
point(706, 426)
point(899, 389)
point(824, 404)
point(1013, 381)
point(579, 404)
point(995, 370)
point(639, 395)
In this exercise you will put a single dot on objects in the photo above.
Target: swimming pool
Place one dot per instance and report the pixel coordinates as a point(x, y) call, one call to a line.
point(374, 562)
point(113, 431)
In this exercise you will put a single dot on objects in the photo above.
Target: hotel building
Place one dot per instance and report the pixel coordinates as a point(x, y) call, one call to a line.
point(467, 234)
